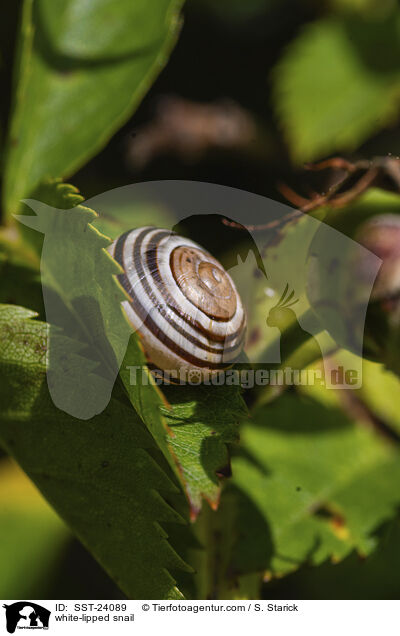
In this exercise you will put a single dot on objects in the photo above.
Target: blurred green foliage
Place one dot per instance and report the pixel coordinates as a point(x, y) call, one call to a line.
point(337, 83)
point(31, 534)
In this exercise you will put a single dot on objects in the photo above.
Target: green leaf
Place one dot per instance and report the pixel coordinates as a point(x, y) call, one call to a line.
point(309, 485)
point(202, 421)
point(76, 28)
point(338, 83)
point(83, 69)
point(377, 577)
point(100, 476)
point(380, 393)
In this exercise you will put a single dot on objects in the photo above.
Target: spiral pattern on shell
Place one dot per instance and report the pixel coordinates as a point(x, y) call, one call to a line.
point(184, 305)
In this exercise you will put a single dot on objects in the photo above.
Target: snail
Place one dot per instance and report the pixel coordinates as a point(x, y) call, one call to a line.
point(182, 302)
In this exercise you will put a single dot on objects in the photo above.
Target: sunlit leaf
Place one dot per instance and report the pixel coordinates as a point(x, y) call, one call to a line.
point(309, 485)
point(72, 94)
point(203, 420)
point(337, 83)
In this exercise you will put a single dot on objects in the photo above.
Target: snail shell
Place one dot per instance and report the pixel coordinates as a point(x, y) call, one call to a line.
point(183, 303)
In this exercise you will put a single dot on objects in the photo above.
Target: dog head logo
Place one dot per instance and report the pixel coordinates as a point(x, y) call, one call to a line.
point(26, 615)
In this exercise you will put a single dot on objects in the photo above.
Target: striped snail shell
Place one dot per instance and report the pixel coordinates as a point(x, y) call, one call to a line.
point(183, 303)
